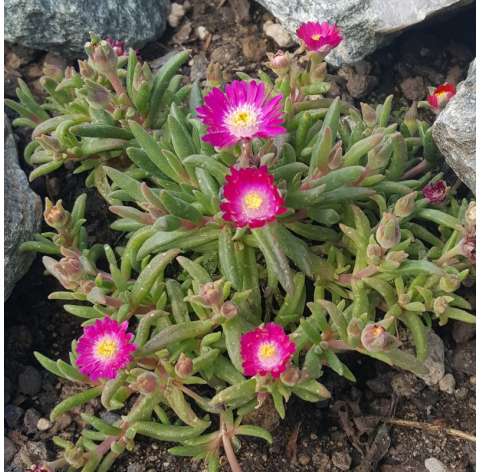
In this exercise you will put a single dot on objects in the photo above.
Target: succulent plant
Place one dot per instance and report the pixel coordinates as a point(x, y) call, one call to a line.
point(265, 230)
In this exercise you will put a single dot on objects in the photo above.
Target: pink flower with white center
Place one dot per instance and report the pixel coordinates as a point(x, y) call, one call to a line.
point(436, 192)
point(266, 350)
point(104, 348)
point(242, 112)
point(321, 37)
point(251, 198)
point(441, 96)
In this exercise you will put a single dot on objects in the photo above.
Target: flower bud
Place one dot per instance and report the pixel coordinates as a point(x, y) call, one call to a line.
point(470, 217)
point(436, 192)
point(229, 310)
point(86, 70)
point(440, 304)
point(184, 366)
point(440, 96)
point(410, 119)
point(102, 56)
point(211, 293)
point(291, 376)
point(374, 253)
point(388, 232)
point(468, 247)
point(354, 331)
point(74, 457)
point(368, 115)
point(55, 215)
point(117, 45)
point(405, 205)
point(145, 383)
point(40, 468)
point(279, 62)
point(375, 338)
point(394, 259)
point(449, 283)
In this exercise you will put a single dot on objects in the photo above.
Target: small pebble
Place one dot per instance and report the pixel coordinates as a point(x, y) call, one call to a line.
point(342, 460)
point(461, 393)
point(447, 384)
point(304, 459)
point(12, 414)
point(202, 32)
point(177, 11)
point(434, 465)
point(30, 381)
point(43, 424)
point(30, 420)
point(276, 32)
point(9, 450)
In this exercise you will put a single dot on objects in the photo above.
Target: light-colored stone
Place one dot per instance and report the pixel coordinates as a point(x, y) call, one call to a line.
point(63, 25)
point(43, 424)
point(434, 465)
point(434, 362)
point(202, 32)
point(447, 384)
point(454, 131)
point(23, 214)
point(279, 34)
point(365, 24)
point(177, 12)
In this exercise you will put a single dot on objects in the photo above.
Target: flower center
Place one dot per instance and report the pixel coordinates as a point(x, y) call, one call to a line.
point(253, 201)
point(316, 37)
point(106, 348)
point(267, 351)
point(242, 122)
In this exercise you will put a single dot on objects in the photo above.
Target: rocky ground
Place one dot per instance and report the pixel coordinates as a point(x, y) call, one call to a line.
point(344, 434)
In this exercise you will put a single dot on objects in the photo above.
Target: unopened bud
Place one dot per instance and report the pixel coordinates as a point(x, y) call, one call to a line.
point(229, 310)
point(468, 247)
point(354, 330)
point(436, 192)
point(184, 366)
point(55, 215)
point(410, 119)
point(449, 283)
point(395, 258)
point(375, 338)
point(388, 232)
point(440, 304)
point(279, 62)
point(368, 115)
point(405, 205)
point(145, 383)
point(470, 216)
point(404, 299)
point(102, 57)
point(291, 376)
point(74, 457)
point(211, 293)
point(86, 70)
point(374, 253)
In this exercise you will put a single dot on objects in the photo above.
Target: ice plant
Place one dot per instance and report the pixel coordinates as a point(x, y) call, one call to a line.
point(104, 348)
point(441, 96)
point(266, 350)
point(321, 37)
point(243, 112)
point(251, 197)
point(436, 192)
point(118, 46)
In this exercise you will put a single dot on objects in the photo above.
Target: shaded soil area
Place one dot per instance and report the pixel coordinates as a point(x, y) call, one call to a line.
point(340, 435)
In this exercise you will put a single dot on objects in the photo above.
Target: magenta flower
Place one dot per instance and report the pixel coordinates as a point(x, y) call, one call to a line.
point(243, 112)
point(436, 192)
point(441, 96)
point(251, 198)
point(322, 37)
point(104, 348)
point(266, 350)
point(118, 46)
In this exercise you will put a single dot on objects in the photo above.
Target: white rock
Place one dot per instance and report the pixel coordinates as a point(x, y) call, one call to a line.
point(447, 384)
point(43, 424)
point(177, 12)
point(277, 33)
point(434, 362)
point(202, 32)
point(434, 465)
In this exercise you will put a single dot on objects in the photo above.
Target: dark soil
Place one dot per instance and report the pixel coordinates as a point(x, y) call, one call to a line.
point(340, 435)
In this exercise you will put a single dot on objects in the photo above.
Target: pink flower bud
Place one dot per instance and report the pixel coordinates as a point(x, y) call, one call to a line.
point(468, 247)
point(102, 56)
point(211, 293)
point(436, 192)
point(279, 62)
point(405, 205)
point(146, 383)
point(55, 215)
point(117, 45)
point(229, 310)
point(388, 232)
point(375, 338)
point(184, 366)
point(374, 253)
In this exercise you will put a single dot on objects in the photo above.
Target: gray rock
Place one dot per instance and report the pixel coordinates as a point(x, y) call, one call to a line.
point(454, 131)
point(464, 359)
point(447, 384)
point(30, 420)
point(30, 381)
point(462, 332)
point(23, 213)
point(434, 465)
point(63, 25)
point(8, 451)
point(365, 24)
point(434, 361)
point(12, 414)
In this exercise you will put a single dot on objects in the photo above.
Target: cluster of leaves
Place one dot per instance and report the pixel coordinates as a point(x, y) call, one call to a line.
point(359, 253)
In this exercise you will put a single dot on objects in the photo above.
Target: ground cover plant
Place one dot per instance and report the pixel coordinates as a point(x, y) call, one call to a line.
point(263, 231)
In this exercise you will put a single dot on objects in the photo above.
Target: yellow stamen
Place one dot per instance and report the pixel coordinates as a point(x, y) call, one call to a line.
point(253, 201)
point(267, 351)
point(106, 348)
point(377, 331)
point(316, 37)
point(242, 118)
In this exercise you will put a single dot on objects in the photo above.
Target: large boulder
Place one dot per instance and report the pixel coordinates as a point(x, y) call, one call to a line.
point(23, 214)
point(454, 131)
point(366, 24)
point(63, 25)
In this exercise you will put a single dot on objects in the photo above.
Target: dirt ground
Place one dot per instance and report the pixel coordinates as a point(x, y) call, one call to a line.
point(340, 435)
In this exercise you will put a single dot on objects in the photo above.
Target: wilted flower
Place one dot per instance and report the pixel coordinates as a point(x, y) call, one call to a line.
point(39, 468)
point(243, 112)
point(211, 293)
point(229, 310)
point(405, 205)
point(104, 348)
point(388, 232)
point(470, 217)
point(251, 198)
point(321, 37)
point(441, 96)
point(436, 192)
point(291, 376)
point(55, 215)
point(395, 258)
point(117, 45)
point(440, 304)
point(468, 246)
point(374, 253)
point(266, 350)
point(145, 383)
point(183, 366)
point(375, 338)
